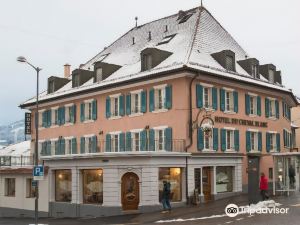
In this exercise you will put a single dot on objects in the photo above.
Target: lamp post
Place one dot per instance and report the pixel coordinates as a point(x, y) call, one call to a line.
point(36, 157)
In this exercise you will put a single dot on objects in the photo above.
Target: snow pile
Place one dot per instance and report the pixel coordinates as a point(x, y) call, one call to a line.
point(190, 219)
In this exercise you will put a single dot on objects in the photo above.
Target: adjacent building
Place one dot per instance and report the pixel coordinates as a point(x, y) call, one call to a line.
point(175, 99)
point(17, 194)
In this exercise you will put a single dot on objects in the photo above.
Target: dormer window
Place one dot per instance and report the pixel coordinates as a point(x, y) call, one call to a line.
point(226, 59)
point(51, 86)
point(254, 71)
point(76, 80)
point(229, 62)
point(99, 74)
point(271, 75)
point(147, 61)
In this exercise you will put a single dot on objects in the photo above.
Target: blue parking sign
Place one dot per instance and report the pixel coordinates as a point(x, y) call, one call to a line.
point(38, 172)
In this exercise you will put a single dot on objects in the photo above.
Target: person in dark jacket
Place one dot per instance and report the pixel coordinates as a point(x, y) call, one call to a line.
point(166, 196)
point(263, 186)
point(292, 176)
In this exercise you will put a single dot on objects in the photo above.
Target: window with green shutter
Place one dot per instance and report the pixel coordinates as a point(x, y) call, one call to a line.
point(215, 139)
point(200, 139)
point(82, 145)
point(129, 142)
point(199, 95)
point(214, 98)
point(168, 98)
point(223, 140)
point(248, 141)
point(222, 100)
point(260, 141)
point(236, 101)
point(143, 142)
point(94, 144)
point(168, 139)
point(267, 107)
point(278, 147)
point(151, 100)
point(258, 107)
point(143, 101)
point(108, 143)
point(94, 110)
point(236, 140)
point(122, 142)
point(247, 104)
point(107, 107)
point(82, 112)
point(74, 146)
point(121, 105)
point(128, 104)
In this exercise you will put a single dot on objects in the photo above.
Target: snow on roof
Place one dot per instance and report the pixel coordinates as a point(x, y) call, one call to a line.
point(22, 148)
point(194, 42)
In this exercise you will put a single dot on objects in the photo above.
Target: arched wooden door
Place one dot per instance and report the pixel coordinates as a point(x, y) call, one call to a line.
point(130, 191)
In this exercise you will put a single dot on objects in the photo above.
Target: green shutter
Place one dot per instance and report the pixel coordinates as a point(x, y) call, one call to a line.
point(267, 107)
point(277, 108)
point(236, 101)
point(143, 101)
point(200, 139)
point(236, 140)
point(58, 122)
point(94, 110)
point(168, 139)
point(74, 146)
point(284, 138)
point(94, 144)
point(222, 100)
point(73, 117)
point(168, 101)
point(248, 141)
point(48, 148)
point(223, 140)
point(151, 100)
point(128, 142)
point(49, 117)
point(199, 96)
point(215, 139)
point(107, 106)
point(121, 105)
point(143, 140)
point(44, 119)
point(108, 143)
point(63, 116)
point(82, 116)
point(62, 146)
point(122, 142)
point(268, 147)
point(259, 141)
point(57, 147)
point(278, 142)
point(214, 98)
point(128, 104)
point(152, 140)
point(258, 108)
point(247, 104)
point(82, 145)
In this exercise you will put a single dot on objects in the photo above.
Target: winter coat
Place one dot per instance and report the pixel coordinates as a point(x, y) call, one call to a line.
point(263, 184)
point(166, 191)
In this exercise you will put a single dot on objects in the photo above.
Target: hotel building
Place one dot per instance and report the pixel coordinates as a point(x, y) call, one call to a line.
point(175, 99)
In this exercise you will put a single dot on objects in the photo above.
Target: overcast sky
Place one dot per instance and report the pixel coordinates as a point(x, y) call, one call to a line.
point(52, 33)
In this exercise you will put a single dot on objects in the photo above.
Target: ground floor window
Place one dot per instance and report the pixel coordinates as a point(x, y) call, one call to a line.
point(10, 187)
point(224, 179)
point(197, 178)
point(63, 185)
point(172, 175)
point(30, 190)
point(92, 186)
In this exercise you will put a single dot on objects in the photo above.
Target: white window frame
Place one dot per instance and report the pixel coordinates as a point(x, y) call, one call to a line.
point(157, 106)
point(112, 105)
point(54, 114)
point(272, 108)
point(136, 147)
point(133, 102)
point(41, 118)
point(229, 101)
point(148, 61)
point(273, 142)
point(52, 141)
point(253, 141)
point(252, 105)
point(68, 109)
point(99, 74)
point(231, 147)
point(157, 139)
point(68, 146)
point(210, 143)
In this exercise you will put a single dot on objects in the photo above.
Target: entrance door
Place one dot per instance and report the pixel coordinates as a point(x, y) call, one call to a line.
point(206, 182)
point(130, 191)
point(253, 180)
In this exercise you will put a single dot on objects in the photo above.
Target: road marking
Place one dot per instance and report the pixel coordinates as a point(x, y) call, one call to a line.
point(250, 216)
point(229, 222)
point(238, 219)
point(296, 205)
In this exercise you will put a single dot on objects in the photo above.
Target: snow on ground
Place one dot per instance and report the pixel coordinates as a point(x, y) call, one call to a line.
point(253, 207)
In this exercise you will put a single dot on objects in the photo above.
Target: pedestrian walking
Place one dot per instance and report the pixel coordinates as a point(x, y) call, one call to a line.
point(292, 176)
point(166, 197)
point(263, 186)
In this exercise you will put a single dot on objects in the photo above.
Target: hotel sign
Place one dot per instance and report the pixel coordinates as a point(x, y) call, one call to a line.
point(242, 122)
point(27, 123)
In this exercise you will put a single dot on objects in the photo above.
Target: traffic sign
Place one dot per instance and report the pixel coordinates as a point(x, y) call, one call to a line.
point(38, 172)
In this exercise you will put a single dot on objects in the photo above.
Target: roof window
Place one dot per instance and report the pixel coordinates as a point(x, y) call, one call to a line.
point(185, 18)
point(166, 39)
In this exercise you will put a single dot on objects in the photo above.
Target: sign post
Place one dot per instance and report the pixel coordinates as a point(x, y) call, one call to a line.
point(38, 172)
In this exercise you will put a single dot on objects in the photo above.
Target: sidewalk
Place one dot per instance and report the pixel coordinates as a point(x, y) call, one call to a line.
point(204, 210)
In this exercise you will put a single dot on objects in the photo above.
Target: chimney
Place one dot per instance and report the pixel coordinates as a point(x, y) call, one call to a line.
point(67, 70)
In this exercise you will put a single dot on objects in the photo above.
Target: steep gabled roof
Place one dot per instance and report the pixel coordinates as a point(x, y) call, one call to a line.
point(194, 42)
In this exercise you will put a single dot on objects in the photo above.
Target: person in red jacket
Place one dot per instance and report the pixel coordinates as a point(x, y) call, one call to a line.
point(263, 186)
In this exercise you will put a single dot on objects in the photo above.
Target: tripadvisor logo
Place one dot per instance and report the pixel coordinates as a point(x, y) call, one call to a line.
point(232, 210)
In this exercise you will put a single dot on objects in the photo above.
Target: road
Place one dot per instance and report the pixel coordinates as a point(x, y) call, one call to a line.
point(208, 214)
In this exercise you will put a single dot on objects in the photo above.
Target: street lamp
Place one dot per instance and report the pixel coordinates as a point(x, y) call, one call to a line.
point(22, 59)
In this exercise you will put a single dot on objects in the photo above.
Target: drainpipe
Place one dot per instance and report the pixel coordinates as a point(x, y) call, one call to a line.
point(190, 137)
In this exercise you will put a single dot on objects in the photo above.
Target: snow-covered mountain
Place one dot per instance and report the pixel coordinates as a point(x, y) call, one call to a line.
point(12, 133)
